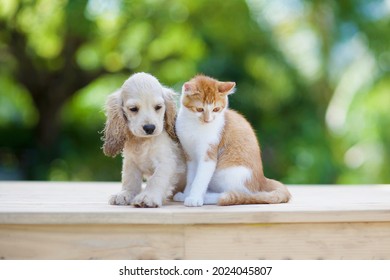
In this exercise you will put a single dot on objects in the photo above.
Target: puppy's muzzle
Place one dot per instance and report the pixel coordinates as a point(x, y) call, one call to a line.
point(149, 128)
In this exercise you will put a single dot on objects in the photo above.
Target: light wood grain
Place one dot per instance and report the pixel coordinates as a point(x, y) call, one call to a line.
point(86, 203)
point(234, 241)
point(41, 220)
point(289, 241)
point(91, 242)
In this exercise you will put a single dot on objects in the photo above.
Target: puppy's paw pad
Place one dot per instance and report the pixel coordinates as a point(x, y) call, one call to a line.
point(121, 198)
point(192, 201)
point(145, 200)
point(180, 197)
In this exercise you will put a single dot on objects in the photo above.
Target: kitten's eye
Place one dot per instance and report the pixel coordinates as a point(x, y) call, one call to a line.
point(134, 109)
point(216, 109)
point(199, 110)
point(158, 107)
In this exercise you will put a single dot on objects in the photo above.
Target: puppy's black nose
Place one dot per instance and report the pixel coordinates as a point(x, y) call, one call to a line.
point(149, 128)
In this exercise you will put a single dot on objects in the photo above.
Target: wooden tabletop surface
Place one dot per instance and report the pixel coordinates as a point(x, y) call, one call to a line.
point(23, 202)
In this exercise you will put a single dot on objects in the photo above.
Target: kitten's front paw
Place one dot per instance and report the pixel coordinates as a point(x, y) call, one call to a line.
point(192, 201)
point(147, 200)
point(121, 198)
point(180, 197)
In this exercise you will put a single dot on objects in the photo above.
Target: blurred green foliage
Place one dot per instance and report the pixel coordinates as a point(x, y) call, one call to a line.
point(313, 78)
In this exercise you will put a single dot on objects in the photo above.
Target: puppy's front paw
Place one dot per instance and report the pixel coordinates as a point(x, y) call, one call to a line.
point(193, 201)
point(147, 200)
point(121, 198)
point(180, 197)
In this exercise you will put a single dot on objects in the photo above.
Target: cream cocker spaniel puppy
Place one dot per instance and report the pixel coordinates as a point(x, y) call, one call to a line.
point(140, 124)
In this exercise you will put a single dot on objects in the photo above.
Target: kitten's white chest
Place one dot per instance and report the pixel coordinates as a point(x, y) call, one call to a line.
point(196, 137)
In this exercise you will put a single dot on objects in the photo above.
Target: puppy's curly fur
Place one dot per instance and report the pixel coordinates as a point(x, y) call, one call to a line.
point(141, 124)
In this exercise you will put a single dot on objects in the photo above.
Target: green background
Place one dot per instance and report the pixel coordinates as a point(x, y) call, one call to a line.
point(313, 78)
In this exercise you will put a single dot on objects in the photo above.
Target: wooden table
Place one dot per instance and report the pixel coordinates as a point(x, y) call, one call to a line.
point(50, 220)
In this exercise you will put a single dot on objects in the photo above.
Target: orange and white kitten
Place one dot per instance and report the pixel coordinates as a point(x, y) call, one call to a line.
point(223, 156)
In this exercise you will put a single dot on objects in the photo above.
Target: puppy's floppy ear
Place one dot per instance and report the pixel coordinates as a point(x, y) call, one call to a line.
point(115, 130)
point(170, 113)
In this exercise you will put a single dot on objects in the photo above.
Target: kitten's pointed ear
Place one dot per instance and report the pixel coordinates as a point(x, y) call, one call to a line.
point(188, 88)
point(226, 88)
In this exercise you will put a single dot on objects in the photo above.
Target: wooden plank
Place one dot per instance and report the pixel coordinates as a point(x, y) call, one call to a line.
point(289, 241)
point(42, 220)
point(86, 203)
point(91, 242)
point(228, 241)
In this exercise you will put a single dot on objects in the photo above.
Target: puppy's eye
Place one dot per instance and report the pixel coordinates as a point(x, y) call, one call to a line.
point(158, 107)
point(216, 109)
point(199, 110)
point(134, 109)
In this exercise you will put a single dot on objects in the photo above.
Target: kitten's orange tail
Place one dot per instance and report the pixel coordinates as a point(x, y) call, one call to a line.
point(278, 194)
